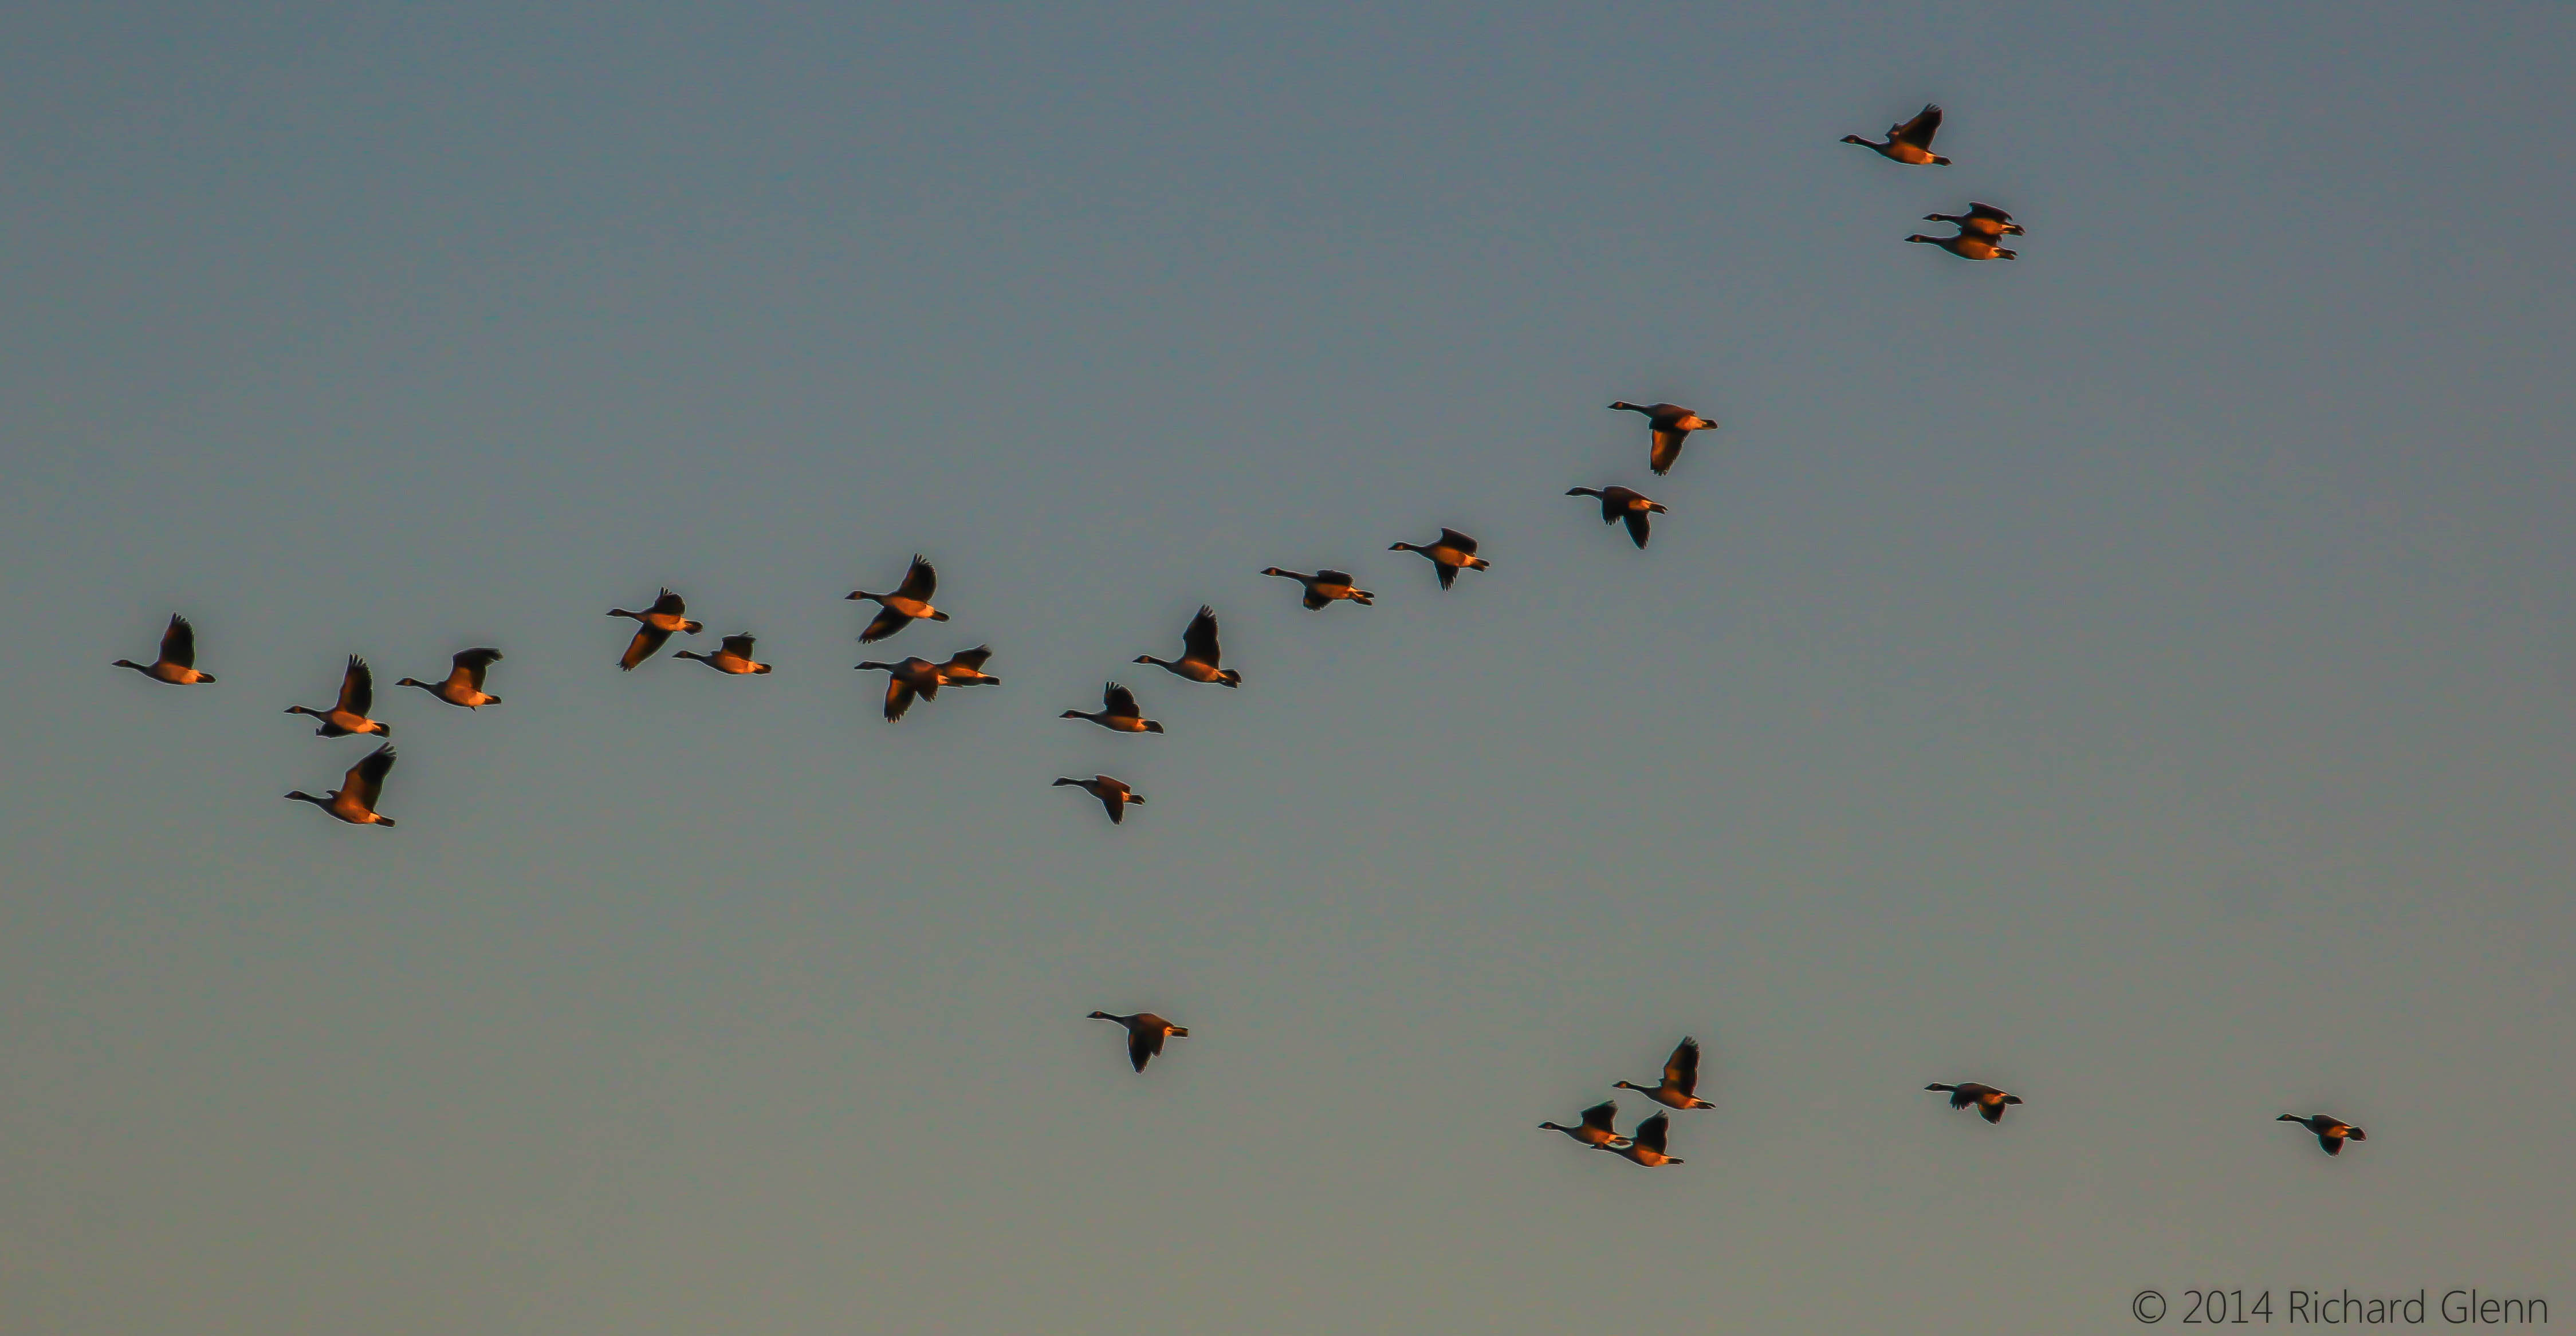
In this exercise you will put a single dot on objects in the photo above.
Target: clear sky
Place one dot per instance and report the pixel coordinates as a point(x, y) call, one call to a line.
point(2142, 676)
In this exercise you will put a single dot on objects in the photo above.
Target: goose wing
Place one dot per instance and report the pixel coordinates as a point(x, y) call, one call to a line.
point(357, 687)
point(1988, 212)
point(179, 642)
point(366, 780)
point(1666, 450)
point(899, 694)
point(1199, 641)
point(1650, 1133)
point(1452, 538)
point(1448, 573)
point(888, 621)
point(648, 639)
point(469, 664)
point(1681, 1070)
point(669, 604)
point(1636, 521)
point(1119, 701)
point(1333, 577)
point(738, 646)
point(971, 658)
point(1604, 1115)
point(1143, 1044)
point(1920, 130)
point(919, 581)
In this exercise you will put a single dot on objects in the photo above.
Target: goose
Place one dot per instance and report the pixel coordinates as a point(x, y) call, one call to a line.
point(1198, 653)
point(657, 624)
point(1117, 711)
point(1112, 793)
point(2331, 1132)
point(178, 662)
point(464, 684)
point(1681, 1077)
point(1619, 503)
point(1597, 1128)
point(733, 656)
point(907, 604)
point(355, 800)
point(1982, 219)
point(1454, 552)
point(1910, 143)
point(965, 668)
point(349, 714)
point(1969, 246)
point(1647, 1147)
point(1989, 1101)
point(1667, 425)
point(1323, 587)
point(1145, 1032)
point(905, 680)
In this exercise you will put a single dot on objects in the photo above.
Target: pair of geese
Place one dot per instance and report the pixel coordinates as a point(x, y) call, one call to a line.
point(1982, 228)
point(907, 603)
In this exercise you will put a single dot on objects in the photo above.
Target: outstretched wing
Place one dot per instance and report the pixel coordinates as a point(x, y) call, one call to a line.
point(888, 621)
point(1448, 573)
point(1681, 1071)
point(1452, 538)
point(1603, 1115)
point(919, 581)
point(1333, 577)
point(1920, 130)
point(1315, 600)
point(1993, 1113)
point(1142, 1045)
point(1199, 641)
point(179, 642)
point(2333, 1145)
point(472, 662)
point(972, 658)
point(366, 780)
point(1636, 521)
point(1988, 212)
point(1666, 450)
point(899, 694)
point(357, 687)
point(1118, 700)
point(647, 640)
point(738, 646)
point(1650, 1133)
point(670, 604)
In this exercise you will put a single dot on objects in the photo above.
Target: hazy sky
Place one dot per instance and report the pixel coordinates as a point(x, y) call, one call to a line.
point(2142, 676)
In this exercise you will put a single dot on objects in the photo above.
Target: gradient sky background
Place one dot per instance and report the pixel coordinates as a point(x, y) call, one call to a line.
point(2143, 676)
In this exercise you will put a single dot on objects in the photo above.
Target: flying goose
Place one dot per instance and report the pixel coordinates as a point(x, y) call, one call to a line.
point(1618, 503)
point(965, 668)
point(2331, 1132)
point(1145, 1030)
point(1681, 1077)
point(1910, 143)
point(1453, 553)
point(178, 662)
point(349, 715)
point(912, 677)
point(1969, 246)
point(1198, 653)
point(1667, 425)
point(1989, 1101)
point(1597, 1128)
point(908, 603)
point(1647, 1147)
point(464, 684)
point(734, 656)
point(1112, 793)
point(355, 800)
point(1983, 219)
point(658, 622)
point(1323, 587)
point(1118, 711)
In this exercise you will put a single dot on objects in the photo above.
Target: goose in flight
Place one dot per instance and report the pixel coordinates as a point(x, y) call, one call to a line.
point(178, 662)
point(1681, 1078)
point(1988, 1101)
point(2331, 1132)
point(1145, 1034)
point(1667, 425)
point(733, 656)
point(1118, 711)
point(1454, 552)
point(464, 684)
point(349, 715)
point(1619, 503)
point(355, 800)
point(1112, 793)
point(1647, 1147)
point(965, 668)
point(1323, 587)
point(1199, 653)
point(1983, 219)
point(907, 604)
point(1969, 246)
point(668, 614)
point(1910, 143)
point(913, 677)
point(1598, 1128)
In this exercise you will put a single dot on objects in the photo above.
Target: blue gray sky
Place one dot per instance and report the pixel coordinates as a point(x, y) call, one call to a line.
point(2140, 676)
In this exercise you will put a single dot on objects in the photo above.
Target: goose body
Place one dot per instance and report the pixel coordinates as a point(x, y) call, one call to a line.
point(1598, 1128)
point(177, 664)
point(349, 714)
point(912, 677)
point(1452, 553)
point(1680, 1084)
point(1909, 143)
point(1667, 426)
point(909, 603)
point(1647, 1146)
point(1985, 1099)
point(355, 800)
point(1983, 219)
point(1118, 712)
point(1969, 246)
point(1619, 503)
point(1199, 654)
point(464, 682)
point(1323, 588)
point(2331, 1131)
point(733, 656)
point(669, 614)
point(965, 668)
point(1145, 1033)
point(1112, 793)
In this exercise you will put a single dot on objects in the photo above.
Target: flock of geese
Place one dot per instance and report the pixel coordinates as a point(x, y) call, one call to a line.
point(1980, 233)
